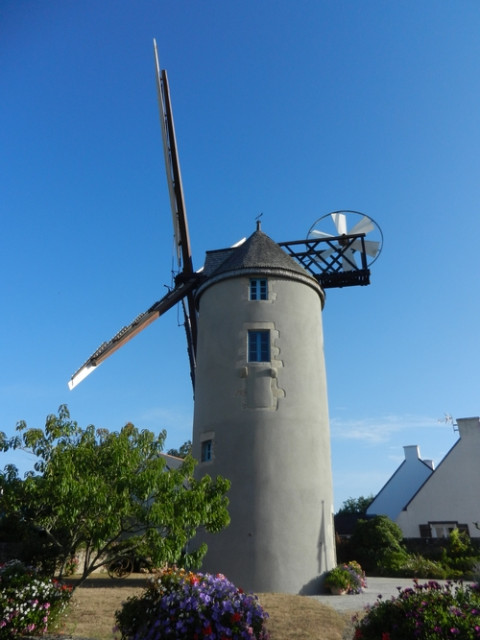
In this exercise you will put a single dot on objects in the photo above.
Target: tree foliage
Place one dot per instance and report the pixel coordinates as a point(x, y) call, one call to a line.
point(183, 451)
point(356, 505)
point(377, 544)
point(107, 494)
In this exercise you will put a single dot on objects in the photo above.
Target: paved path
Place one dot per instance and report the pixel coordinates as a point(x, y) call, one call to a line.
point(387, 587)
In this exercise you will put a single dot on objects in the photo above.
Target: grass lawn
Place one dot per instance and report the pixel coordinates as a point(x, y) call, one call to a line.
point(291, 617)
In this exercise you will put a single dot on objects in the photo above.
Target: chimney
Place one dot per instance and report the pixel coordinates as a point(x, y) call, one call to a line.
point(468, 427)
point(412, 452)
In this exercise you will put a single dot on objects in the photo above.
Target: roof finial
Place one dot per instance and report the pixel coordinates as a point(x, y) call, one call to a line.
point(259, 224)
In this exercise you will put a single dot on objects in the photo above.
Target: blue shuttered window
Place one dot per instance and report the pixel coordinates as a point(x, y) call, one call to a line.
point(206, 453)
point(259, 346)
point(258, 289)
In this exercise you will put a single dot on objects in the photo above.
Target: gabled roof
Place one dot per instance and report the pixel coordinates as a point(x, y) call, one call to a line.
point(171, 462)
point(429, 478)
point(450, 493)
point(412, 473)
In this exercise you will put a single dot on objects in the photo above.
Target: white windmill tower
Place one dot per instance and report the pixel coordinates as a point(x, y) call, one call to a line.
point(257, 366)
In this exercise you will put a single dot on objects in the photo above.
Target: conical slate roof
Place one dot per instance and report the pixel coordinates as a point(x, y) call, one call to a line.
point(257, 252)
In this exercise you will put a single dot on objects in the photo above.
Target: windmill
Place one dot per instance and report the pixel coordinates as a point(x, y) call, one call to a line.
point(255, 345)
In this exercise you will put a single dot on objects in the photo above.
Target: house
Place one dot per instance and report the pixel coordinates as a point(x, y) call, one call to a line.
point(449, 496)
point(404, 483)
point(171, 462)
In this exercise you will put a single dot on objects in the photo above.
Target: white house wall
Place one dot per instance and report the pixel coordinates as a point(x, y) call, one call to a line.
point(452, 492)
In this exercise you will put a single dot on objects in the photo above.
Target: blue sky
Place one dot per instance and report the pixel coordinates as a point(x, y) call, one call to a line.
point(293, 109)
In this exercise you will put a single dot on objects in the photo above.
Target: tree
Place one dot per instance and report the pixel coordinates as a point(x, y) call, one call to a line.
point(377, 544)
point(184, 450)
point(108, 494)
point(356, 505)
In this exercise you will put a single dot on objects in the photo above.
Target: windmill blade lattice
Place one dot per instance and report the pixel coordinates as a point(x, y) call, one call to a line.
point(348, 223)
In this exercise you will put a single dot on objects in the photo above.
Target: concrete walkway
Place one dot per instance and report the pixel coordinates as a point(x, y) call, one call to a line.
point(387, 587)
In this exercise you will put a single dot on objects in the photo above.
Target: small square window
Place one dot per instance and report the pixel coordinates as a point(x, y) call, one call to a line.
point(207, 450)
point(258, 289)
point(442, 529)
point(259, 346)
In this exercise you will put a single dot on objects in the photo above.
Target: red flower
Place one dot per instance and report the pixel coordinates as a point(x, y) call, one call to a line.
point(385, 636)
point(207, 630)
point(236, 617)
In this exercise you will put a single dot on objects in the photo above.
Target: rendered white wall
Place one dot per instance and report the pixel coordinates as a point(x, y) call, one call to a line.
point(271, 434)
point(452, 491)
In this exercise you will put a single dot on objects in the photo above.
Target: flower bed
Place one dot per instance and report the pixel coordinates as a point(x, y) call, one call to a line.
point(424, 612)
point(191, 606)
point(29, 603)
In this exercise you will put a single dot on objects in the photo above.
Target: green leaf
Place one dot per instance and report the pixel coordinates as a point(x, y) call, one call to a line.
point(91, 488)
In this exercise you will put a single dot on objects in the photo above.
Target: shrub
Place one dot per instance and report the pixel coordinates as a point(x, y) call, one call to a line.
point(460, 568)
point(476, 572)
point(392, 562)
point(416, 566)
point(348, 577)
point(338, 578)
point(28, 602)
point(459, 556)
point(377, 543)
point(190, 606)
point(459, 544)
point(424, 612)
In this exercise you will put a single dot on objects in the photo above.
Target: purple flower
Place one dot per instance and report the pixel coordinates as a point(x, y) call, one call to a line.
point(200, 606)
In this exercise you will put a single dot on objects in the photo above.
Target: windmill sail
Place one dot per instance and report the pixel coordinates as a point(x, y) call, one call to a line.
point(186, 279)
point(172, 168)
point(127, 333)
point(177, 205)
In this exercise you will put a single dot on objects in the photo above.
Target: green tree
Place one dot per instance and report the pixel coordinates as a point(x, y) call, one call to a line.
point(356, 505)
point(377, 545)
point(107, 494)
point(183, 451)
